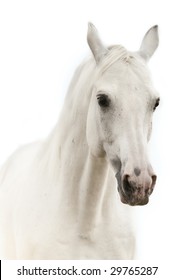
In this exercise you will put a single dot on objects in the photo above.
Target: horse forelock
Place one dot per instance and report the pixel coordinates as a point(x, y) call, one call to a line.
point(119, 53)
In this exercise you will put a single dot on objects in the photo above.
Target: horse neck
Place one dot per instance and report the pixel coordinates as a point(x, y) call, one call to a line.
point(82, 177)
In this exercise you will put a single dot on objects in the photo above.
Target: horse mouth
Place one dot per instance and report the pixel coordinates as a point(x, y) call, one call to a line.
point(132, 200)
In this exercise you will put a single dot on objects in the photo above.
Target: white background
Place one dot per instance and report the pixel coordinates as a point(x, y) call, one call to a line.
point(42, 42)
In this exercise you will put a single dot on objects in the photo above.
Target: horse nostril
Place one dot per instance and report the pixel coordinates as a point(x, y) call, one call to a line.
point(126, 184)
point(154, 178)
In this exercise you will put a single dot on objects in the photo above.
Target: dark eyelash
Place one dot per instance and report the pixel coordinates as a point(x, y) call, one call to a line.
point(156, 104)
point(103, 100)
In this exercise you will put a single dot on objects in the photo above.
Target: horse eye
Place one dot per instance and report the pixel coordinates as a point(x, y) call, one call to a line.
point(103, 100)
point(156, 104)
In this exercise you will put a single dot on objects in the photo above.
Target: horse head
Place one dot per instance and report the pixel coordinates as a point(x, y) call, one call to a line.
point(119, 119)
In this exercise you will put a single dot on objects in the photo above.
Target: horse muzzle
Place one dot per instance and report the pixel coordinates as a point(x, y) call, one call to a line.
point(135, 189)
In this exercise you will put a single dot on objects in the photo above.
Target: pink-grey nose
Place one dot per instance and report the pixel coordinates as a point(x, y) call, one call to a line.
point(136, 188)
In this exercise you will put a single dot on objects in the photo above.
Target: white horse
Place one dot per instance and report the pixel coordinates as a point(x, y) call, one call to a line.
point(58, 198)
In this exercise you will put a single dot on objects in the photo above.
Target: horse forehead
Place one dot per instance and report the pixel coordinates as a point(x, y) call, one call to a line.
point(126, 86)
point(122, 74)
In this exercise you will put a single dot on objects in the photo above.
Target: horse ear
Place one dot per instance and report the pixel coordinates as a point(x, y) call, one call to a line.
point(150, 43)
point(95, 44)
